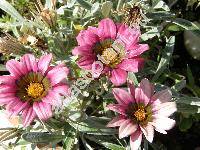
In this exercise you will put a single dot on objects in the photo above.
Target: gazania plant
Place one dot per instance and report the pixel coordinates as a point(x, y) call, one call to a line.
point(99, 74)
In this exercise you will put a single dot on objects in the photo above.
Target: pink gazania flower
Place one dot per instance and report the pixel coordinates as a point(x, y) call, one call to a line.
point(141, 111)
point(32, 87)
point(116, 46)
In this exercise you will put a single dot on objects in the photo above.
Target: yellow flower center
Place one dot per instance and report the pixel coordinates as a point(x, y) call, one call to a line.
point(140, 114)
point(109, 52)
point(35, 90)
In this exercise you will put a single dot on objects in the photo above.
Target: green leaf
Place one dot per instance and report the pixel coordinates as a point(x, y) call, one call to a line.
point(95, 7)
point(91, 126)
point(133, 78)
point(189, 100)
point(3, 67)
point(42, 137)
point(162, 5)
point(166, 56)
point(185, 124)
point(150, 34)
point(160, 15)
point(187, 109)
point(85, 4)
point(106, 8)
point(68, 142)
point(179, 85)
point(190, 76)
point(105, 143)
point(185, 24)
point(8, 8)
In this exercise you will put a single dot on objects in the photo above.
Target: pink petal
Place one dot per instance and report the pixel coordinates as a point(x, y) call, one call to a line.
point(87, 37)
point(165, 109)
point(62, 89)
point(148, 132)
point(117, 121)
point(137, 50)
point(29, 62)
point(97, 69)
point(129, 37)
point(28, 115)
point(143, 92)
point(18, 108)
point(121, 28)
point(15, 106)
point(53, 98)
point(6, 98)
point(118, 76)
point(57, 74)
point(7, 89)
point(127, 128)
point(43, 110)
point(135, 140)
point(15, 68)
point(44, 62)
point(132, 65)
point(8, 80)
point(107, 29)
point(122, 96)
point(86, 62)
point(158, 129)
point(14, 102)
point(83, 50)
point(163, 123)
point(131, 89)
point(121, 109)
point(162, 96)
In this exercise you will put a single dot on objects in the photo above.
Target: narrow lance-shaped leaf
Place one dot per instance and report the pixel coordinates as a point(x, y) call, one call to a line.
point(42, 137)
point(166, 56)
point(8, 8)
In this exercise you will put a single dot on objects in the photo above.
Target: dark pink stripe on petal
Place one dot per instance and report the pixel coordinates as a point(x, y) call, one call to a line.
point(122, 96)
point(29, 62)
point(107, 29)
point(135, 140)
point(118, 76)
point(133, 65)
point(44, 62)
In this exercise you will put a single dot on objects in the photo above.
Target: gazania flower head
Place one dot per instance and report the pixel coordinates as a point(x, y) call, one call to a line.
point(32, 87)
point(141, 111)
point(116, 46)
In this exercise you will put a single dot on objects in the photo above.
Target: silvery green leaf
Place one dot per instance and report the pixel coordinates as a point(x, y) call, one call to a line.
point(3, 67)
point(166, 56)
point(8, 8)
point(133, 78)
point(188, 109)
point(70, 135)
point(42, 137)
point(90, 126)
point(95, 7)
point(70, 3)
point(160, 15)
point(150, 34)
point(105, 143)
point(85, 4)
point(106, 8)
point(189, 100)
point(179, 85)
point(61, 10)
point(162, 5)
point(187, 25)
